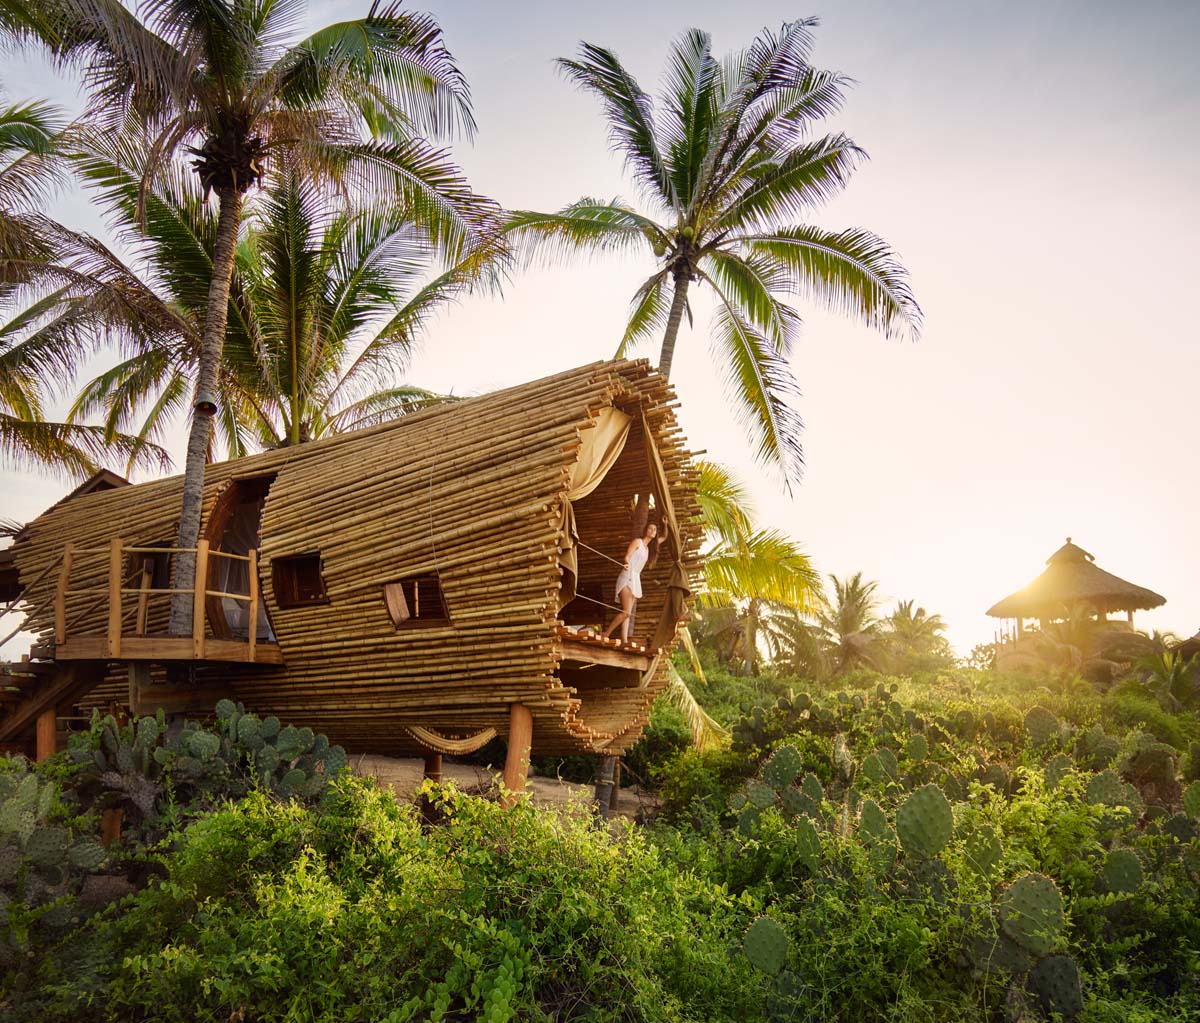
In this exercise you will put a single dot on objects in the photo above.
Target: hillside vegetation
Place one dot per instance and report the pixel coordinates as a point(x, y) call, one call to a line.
point(953, 847)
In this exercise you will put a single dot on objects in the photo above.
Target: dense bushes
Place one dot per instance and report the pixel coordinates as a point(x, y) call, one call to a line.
point(955, 848)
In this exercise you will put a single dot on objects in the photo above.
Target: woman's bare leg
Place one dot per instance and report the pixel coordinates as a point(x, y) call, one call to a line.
point(622, 617)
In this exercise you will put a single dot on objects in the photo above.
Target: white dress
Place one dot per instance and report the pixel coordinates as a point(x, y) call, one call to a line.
point(632, 576)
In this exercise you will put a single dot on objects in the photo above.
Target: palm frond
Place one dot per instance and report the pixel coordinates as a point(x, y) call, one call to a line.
point(689, 93)
point(852, 272)
point(724, 503)
point(707, 733)
point(647, 313)
point(588, 225)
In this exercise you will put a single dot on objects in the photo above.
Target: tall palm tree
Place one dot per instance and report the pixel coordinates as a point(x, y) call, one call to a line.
point(327, 302)
point(912, 633)
point(849, 623)
point(727, 165)
point(32, 165)
point(234, 83)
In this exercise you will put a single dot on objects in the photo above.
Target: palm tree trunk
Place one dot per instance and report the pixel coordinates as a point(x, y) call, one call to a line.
point(682, 278)
point(211, 346)
point(751, 635)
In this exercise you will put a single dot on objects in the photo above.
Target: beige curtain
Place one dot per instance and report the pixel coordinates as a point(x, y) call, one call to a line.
point(678, 588)
point(603, 443)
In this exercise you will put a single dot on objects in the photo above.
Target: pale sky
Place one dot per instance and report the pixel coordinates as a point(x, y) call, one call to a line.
point(1035, 165)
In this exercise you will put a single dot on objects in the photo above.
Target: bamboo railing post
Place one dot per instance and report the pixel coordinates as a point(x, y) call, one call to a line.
point(516, 762)
point(252, 568)
point(143, 603)
point(60, 594)
point(433, 767)
point(198, 597)
point(114, 596)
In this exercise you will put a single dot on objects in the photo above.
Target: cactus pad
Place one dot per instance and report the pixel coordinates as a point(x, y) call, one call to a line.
point(812, 787)
point(917, 748)
point(888, 760)
point(925, 822)
point(203, 745)
point(983, 850)
point(1056, 982)
point(1123, 870)
point(759, 794)
point(964, 724)
point(781, 770)
point(86, 854)
point(872, 769)
point(1041, 726)
point(996, 776)
point(1056, 770)
point(1031, 913)
point(797, 804)
point(766, 945)
point(225, 709)
point(808, 843)
point(47, 846)
point(1191, 800)
point(1105, 789)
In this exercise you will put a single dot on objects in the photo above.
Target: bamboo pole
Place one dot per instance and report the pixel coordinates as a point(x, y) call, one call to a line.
point(115, 578)
point(198, 597)
point(60, 594)
point(252, 637)
point(47, 733)
point(143, 602)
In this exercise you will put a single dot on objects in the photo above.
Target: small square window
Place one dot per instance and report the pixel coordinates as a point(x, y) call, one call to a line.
point(416, 601)
point(298, 581)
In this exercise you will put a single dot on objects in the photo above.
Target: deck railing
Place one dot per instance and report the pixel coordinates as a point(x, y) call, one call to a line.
point(118, 588)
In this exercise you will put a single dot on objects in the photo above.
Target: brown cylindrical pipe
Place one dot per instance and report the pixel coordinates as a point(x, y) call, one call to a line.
point(516, 763)
point(433, 767)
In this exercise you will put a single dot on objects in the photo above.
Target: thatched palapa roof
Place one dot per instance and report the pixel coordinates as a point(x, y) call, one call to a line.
point(1072, 577)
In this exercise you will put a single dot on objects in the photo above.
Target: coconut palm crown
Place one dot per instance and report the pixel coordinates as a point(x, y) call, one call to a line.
point(727, 164)
point(235, 84)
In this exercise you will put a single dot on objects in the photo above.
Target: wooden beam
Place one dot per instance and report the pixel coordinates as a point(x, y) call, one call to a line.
point(168, 648)
point(143, 604)
point(199, 597)
point(252, 569)
point(592, 653)
point(115, 579)
point(47, 733)
point(70, 682)
point(516, 763)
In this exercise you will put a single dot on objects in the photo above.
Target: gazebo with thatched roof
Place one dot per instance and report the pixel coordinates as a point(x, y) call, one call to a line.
point(1072, 579)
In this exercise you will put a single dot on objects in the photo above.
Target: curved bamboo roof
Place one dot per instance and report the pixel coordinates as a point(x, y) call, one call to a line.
point(1072, 577)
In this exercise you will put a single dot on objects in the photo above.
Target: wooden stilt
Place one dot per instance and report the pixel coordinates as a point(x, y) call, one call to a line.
point(433, 766)
point(606, 771)
point(47, 733)
point(516, 763)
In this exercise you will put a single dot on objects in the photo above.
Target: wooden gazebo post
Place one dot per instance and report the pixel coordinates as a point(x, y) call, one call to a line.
point(516, 763)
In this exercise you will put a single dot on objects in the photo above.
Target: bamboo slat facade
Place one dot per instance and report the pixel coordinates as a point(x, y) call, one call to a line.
point(469, 493)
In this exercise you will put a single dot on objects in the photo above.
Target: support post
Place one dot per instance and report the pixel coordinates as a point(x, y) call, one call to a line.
point(433, 767)
point(198, 598)
point(252, 568)
point(139, 679)
point(606, 770)
point(60, 594)
point(47, 733)
point(516, 763)
point(114, 596)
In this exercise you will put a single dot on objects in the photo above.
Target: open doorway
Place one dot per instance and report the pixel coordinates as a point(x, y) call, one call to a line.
point(235, 526)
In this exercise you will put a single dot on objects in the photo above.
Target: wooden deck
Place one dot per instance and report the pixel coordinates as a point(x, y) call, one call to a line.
point(167, 648)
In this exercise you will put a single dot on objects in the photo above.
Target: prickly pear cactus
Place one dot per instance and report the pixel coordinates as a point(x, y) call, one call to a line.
point(808, 843)
point(812, 787)
point(925, 822)
point(781, 770)
point(877, 835)
point(872, 769)
point(1031, 913)
point(996, 776)
point(797, 804)
point(1056, 982)
point(766, 945)
point(1191, 800)
point(1042, 727)
point(917, 748)
point(760, 794)
point(1105, 789)
point(1056, 770)
point(983, 850)
point(1123, 871)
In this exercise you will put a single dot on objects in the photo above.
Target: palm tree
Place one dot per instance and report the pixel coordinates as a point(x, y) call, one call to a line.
point(913, 635)
point(849, 625)
point(327, 302)
point(32, 165)
point(748, 571)
point(726, 165)
point(232, 83)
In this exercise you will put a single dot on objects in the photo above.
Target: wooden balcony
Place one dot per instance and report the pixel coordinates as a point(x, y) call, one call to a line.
point(588, 661)
point(127, 606)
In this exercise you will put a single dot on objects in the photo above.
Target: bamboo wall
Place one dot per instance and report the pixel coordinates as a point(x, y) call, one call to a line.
point(470, 491)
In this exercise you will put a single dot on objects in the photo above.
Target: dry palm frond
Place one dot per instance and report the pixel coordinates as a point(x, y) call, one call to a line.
point(706, 732)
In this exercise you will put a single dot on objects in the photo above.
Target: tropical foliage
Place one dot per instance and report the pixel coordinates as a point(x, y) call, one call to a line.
point(727, 165)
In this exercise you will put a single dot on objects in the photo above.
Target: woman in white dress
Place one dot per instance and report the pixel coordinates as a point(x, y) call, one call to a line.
point(629, 582)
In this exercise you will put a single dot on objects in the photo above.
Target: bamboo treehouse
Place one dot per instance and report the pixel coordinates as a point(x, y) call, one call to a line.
point(416, 587)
